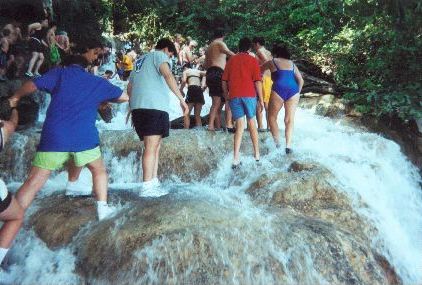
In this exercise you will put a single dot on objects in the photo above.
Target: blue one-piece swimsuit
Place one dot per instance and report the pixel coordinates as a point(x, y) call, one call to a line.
point(284, 82)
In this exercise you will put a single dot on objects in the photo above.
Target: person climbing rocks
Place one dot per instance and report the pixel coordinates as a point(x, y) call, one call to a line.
point(241, 83)
point(148, 91)
point(69, 131)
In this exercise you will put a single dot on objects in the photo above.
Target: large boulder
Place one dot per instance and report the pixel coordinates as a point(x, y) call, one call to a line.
point(179, 239)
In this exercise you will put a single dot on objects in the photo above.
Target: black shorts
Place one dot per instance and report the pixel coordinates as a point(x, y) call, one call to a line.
point(149, 122)
point(36, 46)
point(214, 82)
point(4, 204)
point(195, 95)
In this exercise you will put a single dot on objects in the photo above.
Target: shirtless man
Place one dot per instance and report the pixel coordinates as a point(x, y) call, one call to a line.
point(215, 62)
point(263, 55)
point(187, 55)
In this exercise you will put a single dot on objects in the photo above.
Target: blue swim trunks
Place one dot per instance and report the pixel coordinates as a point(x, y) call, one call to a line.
point(243, 106)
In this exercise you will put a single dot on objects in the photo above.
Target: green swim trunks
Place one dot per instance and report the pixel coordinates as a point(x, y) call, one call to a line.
point(56, 160)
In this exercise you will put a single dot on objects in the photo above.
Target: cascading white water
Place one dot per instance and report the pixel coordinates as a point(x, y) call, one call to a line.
point(371, 170)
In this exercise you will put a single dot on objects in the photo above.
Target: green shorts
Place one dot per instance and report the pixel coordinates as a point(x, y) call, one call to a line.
point(56, 160)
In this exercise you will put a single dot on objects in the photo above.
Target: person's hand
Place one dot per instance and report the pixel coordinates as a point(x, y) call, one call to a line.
point(13, 101)
point(261, 103)
point(185, 108)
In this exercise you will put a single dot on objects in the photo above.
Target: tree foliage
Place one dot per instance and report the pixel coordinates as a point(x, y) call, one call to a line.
point(373, 48)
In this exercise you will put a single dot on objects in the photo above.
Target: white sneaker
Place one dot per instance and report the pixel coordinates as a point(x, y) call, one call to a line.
point(152, 188)
point(106, 212)
point(78, 189)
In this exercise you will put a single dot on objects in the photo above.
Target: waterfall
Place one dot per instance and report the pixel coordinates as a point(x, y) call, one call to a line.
point(382, 185)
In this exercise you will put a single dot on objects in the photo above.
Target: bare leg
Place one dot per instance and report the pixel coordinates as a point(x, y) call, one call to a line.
point(229, 117)
point(73, 171)
point(24, 197)
point(186, 119)
point(149, 156)
point(99, 179)
point(254, 137)
point(34, 58)
point(218, 117)
point(276, 103)
point(197, 113)
point(259, 116)
point(39, 63)
point(216, 105)
point(238, 140)
point(13, 220)
point(266, 114)
point(290, 107)
point(157, 159)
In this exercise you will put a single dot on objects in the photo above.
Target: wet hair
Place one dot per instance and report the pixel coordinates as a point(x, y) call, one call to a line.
point(244, 44)
point(280, 50)
point(75, 59)
point(108, 72)
point(166, 43)
point(258, 40)
point(218, 33)
point(119, 54)
point(52, 24)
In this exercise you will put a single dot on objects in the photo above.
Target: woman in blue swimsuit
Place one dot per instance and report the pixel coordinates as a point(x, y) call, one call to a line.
point(287, 85)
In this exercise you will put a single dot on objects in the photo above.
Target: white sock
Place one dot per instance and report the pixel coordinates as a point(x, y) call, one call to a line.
point(3, 252)
point(102, 209)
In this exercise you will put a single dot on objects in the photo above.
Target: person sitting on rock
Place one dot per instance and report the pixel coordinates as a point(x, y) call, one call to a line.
point(241, 84)
point(5, 42)
point(195, 79)
point(69, 131)
point(38, 46)
point(11, 213)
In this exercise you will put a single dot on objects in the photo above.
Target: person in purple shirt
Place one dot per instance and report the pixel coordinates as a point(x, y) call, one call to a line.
point(69, 131)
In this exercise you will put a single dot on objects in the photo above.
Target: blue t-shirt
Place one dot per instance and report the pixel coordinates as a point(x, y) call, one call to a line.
point(75, 97)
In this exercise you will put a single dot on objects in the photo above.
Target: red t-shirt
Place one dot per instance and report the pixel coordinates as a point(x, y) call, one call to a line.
point(241, 72)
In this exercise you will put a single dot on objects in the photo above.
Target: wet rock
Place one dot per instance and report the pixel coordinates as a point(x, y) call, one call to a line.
point(186, 240)
point(188, 154)
point(28, 107)
point(311, 190)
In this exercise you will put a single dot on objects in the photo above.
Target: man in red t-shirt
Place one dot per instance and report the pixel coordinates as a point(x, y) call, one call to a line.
point(241, 84)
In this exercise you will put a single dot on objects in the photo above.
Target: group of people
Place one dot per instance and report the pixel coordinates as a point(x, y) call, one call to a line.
point(69, 132)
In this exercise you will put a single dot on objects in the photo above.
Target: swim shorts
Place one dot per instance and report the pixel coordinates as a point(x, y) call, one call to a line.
point(267, 84)
point(150, 122)
point(55, 160)
point(243, 106)
point(214, 82)
point(195, 95)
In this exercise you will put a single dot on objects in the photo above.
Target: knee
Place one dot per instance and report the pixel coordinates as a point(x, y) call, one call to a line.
point(97, 170)
point(288, 121)
point(41, 56)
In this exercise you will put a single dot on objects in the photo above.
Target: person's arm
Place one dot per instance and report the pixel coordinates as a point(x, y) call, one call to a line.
point(27, 88)
point(299, 78)
point(203, 80)
point(171, 82)
point(129, 89)
point(184, 81)
point(9, 127)
point(225, 49)
point(123, 98)
point(33, 26)
point(266, 65)
point(258, 88)
point(51, 37)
